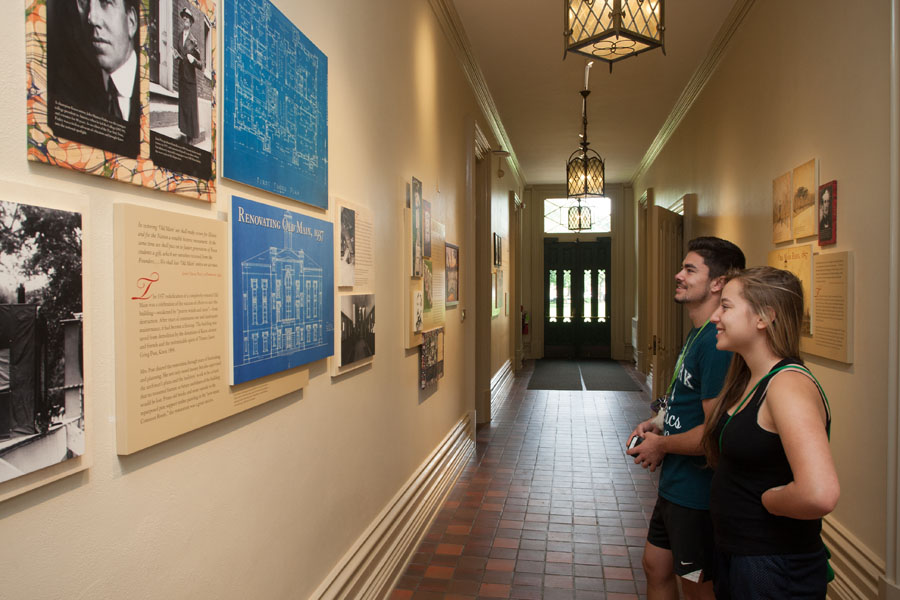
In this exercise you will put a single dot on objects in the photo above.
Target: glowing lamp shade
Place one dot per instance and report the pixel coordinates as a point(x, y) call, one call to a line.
point(612, 30)
point(579, 218)
point(584, 174)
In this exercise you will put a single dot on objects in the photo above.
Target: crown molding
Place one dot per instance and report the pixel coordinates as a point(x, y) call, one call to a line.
point(456, 36)
point(696, 84)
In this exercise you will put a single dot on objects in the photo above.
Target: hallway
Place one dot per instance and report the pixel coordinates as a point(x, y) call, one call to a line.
point(549, 505)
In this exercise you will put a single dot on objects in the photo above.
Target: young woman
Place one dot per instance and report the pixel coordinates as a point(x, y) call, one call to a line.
point(767, 439)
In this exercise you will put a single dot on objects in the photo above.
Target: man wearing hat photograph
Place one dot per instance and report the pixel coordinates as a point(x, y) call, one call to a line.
point(188, 51)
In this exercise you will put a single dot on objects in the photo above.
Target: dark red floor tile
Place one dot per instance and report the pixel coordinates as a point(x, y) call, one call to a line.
point(547, 507)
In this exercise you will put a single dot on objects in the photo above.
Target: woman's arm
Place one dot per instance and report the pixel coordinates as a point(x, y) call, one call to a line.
point(794, 410)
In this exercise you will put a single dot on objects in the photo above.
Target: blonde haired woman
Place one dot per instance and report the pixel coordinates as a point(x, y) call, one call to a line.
point(767, 439)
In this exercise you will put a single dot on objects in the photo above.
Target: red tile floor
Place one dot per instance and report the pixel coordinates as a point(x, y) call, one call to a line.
point(549, 506)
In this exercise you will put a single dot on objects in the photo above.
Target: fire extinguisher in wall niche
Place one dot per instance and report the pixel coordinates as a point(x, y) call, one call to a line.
point(525, 319)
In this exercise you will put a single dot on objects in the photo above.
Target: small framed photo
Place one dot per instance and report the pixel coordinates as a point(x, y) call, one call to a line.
point(827, 210)
point(451, 275)
point(498, 250)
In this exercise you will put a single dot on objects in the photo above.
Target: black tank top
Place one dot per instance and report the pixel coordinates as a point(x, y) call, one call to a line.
point(751, 461)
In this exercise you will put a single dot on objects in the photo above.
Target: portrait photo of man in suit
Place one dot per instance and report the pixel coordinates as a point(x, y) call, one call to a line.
point(92, 65)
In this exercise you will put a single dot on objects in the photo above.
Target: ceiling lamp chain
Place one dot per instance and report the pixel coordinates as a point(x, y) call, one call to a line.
point(585, 171)
point(612, 30)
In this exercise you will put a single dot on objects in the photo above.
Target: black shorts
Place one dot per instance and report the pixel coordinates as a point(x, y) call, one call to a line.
point(688, 533)
point(771, 576)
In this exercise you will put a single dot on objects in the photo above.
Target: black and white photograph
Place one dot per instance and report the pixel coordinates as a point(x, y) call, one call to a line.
point(181, 87)
point(828, 213)
point(41, 374)
point(431, 358)
point(451, 274)
point(416, 238)
point(93, 73)
point(357, 327)
point(428, 285)
point(347, 267)
point(498, 250)
point(418, 314)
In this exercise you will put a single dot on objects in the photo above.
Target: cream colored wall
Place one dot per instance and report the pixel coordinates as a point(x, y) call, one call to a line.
point(789, 89)
point(264, 504)
point(501, 217)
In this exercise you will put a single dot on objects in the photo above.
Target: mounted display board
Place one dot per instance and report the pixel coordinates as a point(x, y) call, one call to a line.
point(282, 285)
point(138, 107)
point(804, 183)
point(798, 260)
point(276, 102)
point(832, 307)
point(171, 299)
point(355, 251)
point(45, 337)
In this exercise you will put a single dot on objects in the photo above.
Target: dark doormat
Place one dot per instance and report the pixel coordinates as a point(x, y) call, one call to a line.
point(552, 374)
point(607, 375)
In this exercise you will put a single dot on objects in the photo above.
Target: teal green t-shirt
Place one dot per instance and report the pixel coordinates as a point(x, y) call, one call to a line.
point(684, 479)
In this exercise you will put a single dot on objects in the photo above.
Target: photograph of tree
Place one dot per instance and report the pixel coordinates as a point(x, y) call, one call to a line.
point(803, 210)
point(41, 376)
point(781, 208)
point(347, 270)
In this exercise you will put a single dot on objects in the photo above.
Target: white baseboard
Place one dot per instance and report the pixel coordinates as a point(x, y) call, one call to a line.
point(857, 569)
point(376, 560)
point(500, 383)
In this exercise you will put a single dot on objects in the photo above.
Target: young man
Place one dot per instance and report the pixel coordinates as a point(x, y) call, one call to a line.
point(679, 540)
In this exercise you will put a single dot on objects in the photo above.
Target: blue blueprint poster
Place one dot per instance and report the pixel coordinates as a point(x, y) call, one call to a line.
point(282, 289)
point(276, 104)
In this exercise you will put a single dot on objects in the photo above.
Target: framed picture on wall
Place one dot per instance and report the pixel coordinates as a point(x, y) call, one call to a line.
point(498, 250)
point(451, 273)
point(781, 208)
point(828, 213)
point(803, 209)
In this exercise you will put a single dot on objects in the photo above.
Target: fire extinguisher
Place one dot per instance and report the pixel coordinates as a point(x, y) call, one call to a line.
point(525, 320)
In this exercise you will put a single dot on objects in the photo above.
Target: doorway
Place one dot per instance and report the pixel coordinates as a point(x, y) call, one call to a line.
point(576, 294)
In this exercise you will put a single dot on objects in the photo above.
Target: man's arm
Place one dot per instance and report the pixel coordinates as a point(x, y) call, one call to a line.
point(650, 453)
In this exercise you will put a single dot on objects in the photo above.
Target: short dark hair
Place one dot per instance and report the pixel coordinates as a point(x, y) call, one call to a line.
point(719, 255)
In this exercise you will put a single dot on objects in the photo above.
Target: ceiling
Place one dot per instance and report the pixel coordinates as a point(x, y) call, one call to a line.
point(518, 45)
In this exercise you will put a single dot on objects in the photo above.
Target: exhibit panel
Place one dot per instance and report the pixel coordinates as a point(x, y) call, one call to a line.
point(276, 96)
point(282, 282)
point(174, 432)
point(355, 275)
point(114, 109)
point(45, 353)
point(172, 329)
point(804, 180)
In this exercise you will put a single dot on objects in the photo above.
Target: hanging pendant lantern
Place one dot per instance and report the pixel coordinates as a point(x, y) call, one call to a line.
point(613, 30)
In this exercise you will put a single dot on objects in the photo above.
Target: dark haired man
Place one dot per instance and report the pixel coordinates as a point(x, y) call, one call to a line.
point(92, 65)
point(113, 27)
point(679, 540)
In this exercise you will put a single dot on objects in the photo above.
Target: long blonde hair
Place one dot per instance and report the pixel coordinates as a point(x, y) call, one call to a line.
point(776, 296)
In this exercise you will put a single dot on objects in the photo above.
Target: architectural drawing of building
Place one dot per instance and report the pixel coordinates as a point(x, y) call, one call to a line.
point(283, 303)
point(276, 104)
